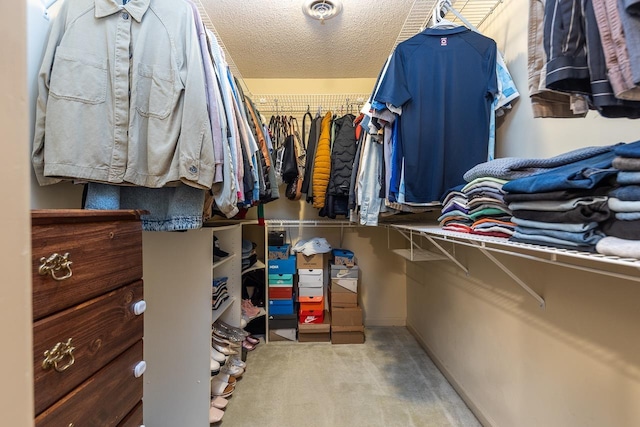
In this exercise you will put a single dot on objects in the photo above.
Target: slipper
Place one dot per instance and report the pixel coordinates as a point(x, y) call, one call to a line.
point(219, 402)
point(215, 415)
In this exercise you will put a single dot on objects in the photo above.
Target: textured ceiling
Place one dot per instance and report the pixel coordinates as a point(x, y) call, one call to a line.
point(274, 39)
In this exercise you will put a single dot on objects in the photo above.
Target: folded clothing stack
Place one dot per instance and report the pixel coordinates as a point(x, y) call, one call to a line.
point(249, 256)
point(220, 293)
point(218, 253)
point(559, 201)
point(622, 229)
point(564, 206)
point(478, 208)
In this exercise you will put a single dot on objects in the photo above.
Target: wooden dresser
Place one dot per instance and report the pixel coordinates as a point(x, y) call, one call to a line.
point(87, 318)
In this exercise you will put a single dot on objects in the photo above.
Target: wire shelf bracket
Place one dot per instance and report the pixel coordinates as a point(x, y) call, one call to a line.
point(408, 232)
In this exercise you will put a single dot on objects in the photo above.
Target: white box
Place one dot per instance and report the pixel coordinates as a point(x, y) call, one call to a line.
point(310, 278)
point(310, 292)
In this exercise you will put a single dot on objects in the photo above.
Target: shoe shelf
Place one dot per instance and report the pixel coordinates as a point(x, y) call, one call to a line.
point(218, 264)
point(257, 266)
point(217, 313)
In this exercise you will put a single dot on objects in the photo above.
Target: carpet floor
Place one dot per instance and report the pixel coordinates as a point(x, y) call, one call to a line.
point(388, 381)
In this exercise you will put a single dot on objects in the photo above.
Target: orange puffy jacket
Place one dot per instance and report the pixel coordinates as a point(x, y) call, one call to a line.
point(322, 163)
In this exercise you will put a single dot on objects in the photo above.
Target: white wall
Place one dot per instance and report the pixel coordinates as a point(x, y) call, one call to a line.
point(577, 363)
point(16, 401)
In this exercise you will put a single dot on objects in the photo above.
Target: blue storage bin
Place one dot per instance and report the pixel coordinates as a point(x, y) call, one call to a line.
point(281, 306)
point(282, 266)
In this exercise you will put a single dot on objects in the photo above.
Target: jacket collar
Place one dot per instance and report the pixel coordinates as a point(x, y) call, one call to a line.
point(136, 8)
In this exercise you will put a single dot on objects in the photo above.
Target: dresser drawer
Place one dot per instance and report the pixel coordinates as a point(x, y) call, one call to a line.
point(103, 400)
point(105, 252)
point(100, 329)
point(134, 419)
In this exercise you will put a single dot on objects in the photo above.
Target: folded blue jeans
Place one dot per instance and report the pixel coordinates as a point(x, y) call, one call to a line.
point(583, 174)
point(589, 237)
point(550, 241)
point(626, 177)
point(626, 192)
point(628, 216)
point(562, 226)
point(631, 149)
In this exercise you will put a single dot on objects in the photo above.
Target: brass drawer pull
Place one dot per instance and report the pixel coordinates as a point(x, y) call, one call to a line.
point(57, 354)
point(55, 263)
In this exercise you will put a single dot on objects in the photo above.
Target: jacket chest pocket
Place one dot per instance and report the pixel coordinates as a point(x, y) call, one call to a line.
point(155, 91)
point(78, 76)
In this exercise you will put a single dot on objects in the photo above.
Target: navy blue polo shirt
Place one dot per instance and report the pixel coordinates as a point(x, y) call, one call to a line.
point(445, 82)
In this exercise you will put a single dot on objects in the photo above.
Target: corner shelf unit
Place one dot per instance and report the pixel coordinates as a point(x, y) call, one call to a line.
point(623, 268)
point(230, 240)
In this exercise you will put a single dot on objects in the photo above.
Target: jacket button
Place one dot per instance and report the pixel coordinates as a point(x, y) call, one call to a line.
point(125, 15)
point(193, 169)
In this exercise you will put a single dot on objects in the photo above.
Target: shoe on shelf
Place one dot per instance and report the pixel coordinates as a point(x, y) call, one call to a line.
point(236, 361)
point(217, 356)
point(219, 402)
point(234, 371)
point(227, 351)
point(226, 334)
point(215, 415)
point(225, 343)
point(228, 327)
point(221, 388)
point(226, 377)
point(215, 366)
point(248, 346)
point(243, 323)
point(248, 309)
point(253, 340)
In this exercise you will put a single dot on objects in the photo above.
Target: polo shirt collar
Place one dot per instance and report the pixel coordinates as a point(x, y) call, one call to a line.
point(136, 8)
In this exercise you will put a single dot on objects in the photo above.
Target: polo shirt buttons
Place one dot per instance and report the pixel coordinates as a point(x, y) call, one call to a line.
point(125, 15)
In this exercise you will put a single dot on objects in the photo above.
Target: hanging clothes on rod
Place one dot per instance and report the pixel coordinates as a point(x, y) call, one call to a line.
point(423, 140)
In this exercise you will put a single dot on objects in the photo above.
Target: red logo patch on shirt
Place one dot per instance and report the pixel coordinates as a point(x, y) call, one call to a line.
point(443, 41)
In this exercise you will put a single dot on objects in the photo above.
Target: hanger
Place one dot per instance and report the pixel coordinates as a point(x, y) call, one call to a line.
point(46, 4)
point(439, 11)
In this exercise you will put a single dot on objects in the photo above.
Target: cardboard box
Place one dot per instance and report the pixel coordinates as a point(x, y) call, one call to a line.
point(281, 292)
point(281, 306)
point(311, 316)
point(307, 337)
point(288, 334)
point(279, 252)
point(343, 300)
point(282, 266)
point(347, 337)
point(344, 272)
point(314, 261)
point(311, 303)
point(310, 292)
point(283, 321)
point(343, 257)
point(281, 279)
point(344, 285)
point(346, 316)
point(310, 278)
point(316, 328)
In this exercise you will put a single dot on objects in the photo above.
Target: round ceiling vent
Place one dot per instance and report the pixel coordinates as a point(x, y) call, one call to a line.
point(322, 9)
